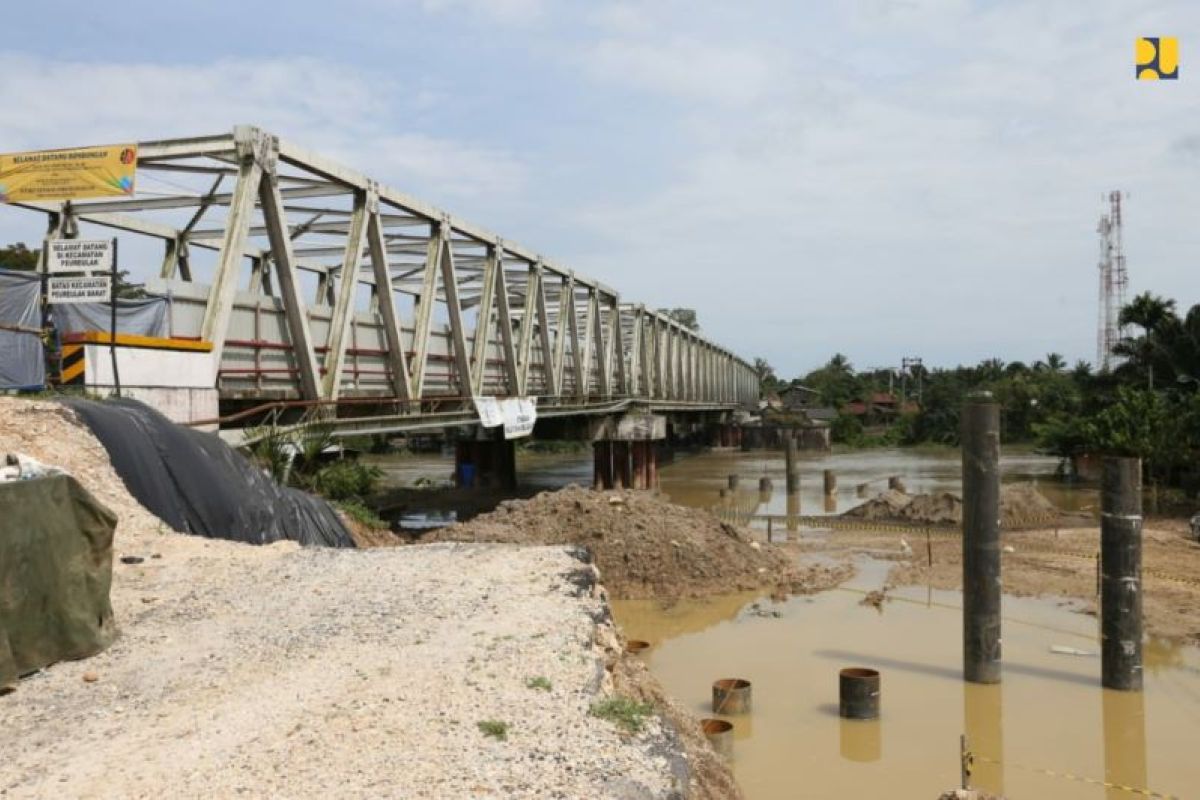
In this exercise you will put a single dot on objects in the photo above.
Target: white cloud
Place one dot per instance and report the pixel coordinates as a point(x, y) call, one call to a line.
point(342, 112)
point(954, 201)
point(683, 67)
point(506, 11)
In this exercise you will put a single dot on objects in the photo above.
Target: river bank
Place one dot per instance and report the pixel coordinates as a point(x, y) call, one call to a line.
point(436, 670)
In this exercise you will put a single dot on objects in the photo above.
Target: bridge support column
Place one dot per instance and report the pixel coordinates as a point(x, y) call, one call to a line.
point(485, 464)
point(625, 453)
point(625, 465)
point(725, 435)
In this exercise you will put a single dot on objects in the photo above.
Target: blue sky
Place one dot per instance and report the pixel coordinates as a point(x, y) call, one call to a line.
point(879, 178)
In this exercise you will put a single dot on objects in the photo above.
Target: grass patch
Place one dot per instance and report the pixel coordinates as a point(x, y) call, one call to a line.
point(628, 715)
point(359, 512)
point(494, 728)
point(540, 682)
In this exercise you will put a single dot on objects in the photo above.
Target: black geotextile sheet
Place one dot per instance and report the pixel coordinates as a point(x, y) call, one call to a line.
point(197, 484)
point(55, 574)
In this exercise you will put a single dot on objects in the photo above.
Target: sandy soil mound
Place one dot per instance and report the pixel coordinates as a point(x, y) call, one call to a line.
point(1020, 503)
point(643, 545)
point(50, 432)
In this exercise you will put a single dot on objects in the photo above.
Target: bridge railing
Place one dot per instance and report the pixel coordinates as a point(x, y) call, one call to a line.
point(323, 283)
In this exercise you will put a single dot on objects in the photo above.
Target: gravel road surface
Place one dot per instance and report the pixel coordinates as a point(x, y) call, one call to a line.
point(276, 671)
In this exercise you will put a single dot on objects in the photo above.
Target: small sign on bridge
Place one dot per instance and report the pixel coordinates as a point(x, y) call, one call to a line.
point(79, 255)
point(95, 289)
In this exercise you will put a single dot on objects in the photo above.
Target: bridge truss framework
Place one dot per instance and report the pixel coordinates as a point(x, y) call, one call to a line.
point(439, 310)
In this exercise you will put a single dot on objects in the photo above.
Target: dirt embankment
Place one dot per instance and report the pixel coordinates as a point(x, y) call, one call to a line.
point(1021, 505)
point(277, 670)
point(644, 546)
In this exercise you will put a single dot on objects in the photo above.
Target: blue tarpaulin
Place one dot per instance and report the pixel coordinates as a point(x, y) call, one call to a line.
point(22, 361)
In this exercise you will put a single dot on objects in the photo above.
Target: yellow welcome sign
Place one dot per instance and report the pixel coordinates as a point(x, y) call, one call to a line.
point(69, 174)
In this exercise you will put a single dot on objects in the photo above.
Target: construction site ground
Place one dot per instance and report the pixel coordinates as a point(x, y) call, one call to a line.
point(1048, 562)
point(429, 671)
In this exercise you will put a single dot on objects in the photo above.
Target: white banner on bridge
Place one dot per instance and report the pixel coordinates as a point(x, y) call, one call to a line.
point(79, 255)
point(78, 290)
point(520, 414)
point(490, 414)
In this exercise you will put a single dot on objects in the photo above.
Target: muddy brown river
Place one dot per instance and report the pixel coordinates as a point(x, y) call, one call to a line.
point(1049, 730)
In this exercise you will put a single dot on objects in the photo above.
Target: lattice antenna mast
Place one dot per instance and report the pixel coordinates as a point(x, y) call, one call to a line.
point(1114, 282)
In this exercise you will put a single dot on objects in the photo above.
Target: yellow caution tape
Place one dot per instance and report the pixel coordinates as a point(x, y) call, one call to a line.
point(1139, 791)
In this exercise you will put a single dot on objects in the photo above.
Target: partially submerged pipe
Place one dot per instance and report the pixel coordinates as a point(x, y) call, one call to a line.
point(636, 646)
point(858, 693)
point(981, 538)
point(731, 696)
point(830, 482)
point(1121, 574)
point(719, 734)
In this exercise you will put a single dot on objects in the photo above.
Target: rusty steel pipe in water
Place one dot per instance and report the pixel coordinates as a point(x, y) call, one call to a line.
point(1121, 574)
point(858, 693)
point(636, 646)
point(731, 696)
point(719, 734)
point(830, 482)
point(981, 538)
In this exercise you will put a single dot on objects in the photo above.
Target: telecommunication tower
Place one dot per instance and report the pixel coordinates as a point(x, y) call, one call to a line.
point(1114, 281)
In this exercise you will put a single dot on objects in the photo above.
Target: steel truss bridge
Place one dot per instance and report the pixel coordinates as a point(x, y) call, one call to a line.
point(318, 286)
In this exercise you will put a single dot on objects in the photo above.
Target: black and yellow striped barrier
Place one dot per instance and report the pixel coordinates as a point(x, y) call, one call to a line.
point(72, 365)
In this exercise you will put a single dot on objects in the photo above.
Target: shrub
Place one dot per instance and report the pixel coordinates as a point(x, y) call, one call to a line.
point(346, 479)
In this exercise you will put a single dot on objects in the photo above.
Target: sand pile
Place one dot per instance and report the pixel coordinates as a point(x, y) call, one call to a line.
point(49, 432)
point(1020, 503)
point(643, 545)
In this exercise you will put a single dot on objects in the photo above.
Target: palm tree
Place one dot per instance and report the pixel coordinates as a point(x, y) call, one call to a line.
point(840, 364)
point(1055, 362)
point(1147, 311)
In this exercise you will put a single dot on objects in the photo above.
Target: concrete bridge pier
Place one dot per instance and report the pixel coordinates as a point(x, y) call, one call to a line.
point(726, 435)
point(625, 452)
point(625, 465)
point(485, 463)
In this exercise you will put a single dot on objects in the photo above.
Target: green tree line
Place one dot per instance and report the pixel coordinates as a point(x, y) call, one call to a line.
point(1148, 405)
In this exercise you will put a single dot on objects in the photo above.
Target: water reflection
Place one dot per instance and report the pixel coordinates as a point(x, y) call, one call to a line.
point(1124, 741)
point(1159, 654)
point(1045, 715)
point(861, 739)
point(655, 621)
point(983, 721)
point(793, 511)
